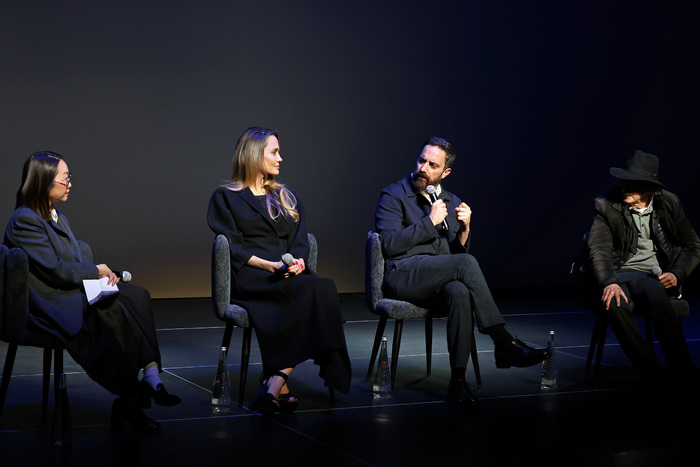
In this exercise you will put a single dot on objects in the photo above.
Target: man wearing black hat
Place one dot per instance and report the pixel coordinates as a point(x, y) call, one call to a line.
point(637, 227)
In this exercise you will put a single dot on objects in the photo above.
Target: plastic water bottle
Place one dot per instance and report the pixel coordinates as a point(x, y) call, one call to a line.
point(221, 395)
point(549, 367)
point(62, 425)
point(382, 379)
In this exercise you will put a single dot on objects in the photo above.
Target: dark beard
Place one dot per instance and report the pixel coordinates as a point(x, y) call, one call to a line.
point(420, 184)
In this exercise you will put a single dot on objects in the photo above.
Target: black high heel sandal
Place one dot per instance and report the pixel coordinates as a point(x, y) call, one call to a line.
point(287, 402)
point(126, 411)
point(159, 395)
point(264, 402)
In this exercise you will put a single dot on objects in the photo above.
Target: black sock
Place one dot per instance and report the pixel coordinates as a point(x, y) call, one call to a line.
point(499, 334)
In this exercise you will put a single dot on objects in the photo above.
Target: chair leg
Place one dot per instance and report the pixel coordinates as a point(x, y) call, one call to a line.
point(475, 360)
point(228, 332)
point(600, 329)
point(428, 343)
point(398, 328)
point(58, 370)
point(245, 358)
point(62, 406)
point(7, 373)
point(48, 355)
point(375, 347)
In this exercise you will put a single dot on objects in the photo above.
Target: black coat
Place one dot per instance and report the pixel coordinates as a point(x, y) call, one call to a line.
point(56, 271)
point(612, 240)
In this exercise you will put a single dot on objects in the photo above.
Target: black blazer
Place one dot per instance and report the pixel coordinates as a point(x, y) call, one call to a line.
point(250, 230)
point(56, 270)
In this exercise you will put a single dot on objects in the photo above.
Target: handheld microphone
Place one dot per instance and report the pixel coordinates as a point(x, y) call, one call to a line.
point(433, 198)
point(288, 260)
point(124, 276)
point(657, 271)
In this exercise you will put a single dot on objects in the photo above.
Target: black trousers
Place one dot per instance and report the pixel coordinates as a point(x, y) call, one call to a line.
point(117, 339)
point(454, 284)
point(645, 290)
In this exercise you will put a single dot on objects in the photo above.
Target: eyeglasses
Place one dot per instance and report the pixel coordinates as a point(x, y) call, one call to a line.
point(64, 182)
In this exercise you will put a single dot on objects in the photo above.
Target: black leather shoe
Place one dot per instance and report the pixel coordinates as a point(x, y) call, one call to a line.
point(159, 395)
point(518, 354)
point(126, 411)
point(459, 394)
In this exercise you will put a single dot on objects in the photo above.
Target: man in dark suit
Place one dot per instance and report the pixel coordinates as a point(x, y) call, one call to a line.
point(426, 247)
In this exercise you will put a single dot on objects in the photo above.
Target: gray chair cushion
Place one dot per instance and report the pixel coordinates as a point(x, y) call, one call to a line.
point(374, 277)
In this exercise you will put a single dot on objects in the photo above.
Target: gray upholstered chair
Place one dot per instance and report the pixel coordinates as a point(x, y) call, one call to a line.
point(234, 315)
point(397, 310)
point(14, 312)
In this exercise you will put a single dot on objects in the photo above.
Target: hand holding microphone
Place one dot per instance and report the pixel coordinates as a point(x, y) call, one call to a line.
point(667, 279)
point(291, 266)
point(104, 271)
point(441, 208)
point(288, 260)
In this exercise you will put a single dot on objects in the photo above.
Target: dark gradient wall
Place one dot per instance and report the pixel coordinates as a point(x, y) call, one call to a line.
point(146, 100)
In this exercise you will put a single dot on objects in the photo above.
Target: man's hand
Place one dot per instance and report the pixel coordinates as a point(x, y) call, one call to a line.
point(464, 215)
point(613, 291)
point(438, 212)
point(668, 280)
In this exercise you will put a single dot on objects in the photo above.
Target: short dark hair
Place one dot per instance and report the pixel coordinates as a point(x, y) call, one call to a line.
point(445, 145)
point(38, 175)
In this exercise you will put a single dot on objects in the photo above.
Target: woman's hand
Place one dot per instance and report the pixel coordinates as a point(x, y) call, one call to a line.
point(294, 269)
point(104, 271)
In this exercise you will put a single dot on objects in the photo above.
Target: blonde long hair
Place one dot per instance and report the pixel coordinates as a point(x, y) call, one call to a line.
point(247, 167)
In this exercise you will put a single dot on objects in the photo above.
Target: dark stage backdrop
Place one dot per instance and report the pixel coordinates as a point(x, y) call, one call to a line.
point(147, 99)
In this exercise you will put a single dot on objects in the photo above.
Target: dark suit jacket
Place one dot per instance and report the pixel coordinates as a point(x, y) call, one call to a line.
point(56, 271)
point(405, 229)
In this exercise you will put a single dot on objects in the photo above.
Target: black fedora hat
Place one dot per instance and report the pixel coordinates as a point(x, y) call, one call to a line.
point(643, 167)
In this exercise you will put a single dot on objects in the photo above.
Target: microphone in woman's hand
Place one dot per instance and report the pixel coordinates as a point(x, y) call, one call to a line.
point(288, 260)
point(124, 276)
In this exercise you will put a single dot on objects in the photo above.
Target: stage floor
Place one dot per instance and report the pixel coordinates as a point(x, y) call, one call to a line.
point(611, 421)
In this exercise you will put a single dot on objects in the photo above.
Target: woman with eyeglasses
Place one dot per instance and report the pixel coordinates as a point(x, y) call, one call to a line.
point(295, 313)
point(113, 339)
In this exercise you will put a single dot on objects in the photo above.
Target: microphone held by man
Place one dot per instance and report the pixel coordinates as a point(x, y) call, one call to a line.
point(433, 199)
point(668, 282)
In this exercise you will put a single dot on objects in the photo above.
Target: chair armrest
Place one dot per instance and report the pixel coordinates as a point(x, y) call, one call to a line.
point(374, 271)
point(15, 296)
point(313, 252)
point(86, 252)
point(221, 276)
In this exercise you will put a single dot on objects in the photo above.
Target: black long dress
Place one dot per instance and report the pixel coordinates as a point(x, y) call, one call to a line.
point(296, 318)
